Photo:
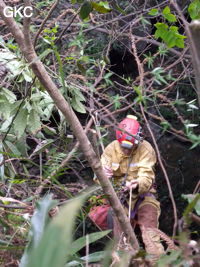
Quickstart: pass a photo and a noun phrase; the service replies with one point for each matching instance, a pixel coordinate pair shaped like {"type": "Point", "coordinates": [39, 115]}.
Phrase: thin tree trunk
{"type": "Point", "coordinates": [193, 33]}
{"type": "Point", "coordinates": [27, 49]}
{"type": "Point", "coordinates": [194, 38]}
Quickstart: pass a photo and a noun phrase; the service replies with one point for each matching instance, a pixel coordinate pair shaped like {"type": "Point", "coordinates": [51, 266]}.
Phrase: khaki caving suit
{"type": "Point", "coordinates": [141, 163]}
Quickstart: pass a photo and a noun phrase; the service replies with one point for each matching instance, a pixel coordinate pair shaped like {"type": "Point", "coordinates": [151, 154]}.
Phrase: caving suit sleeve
{"type": "Point", "coordinates": [106, 157]}
{"type": "Point", "coordinates": [146, 175]}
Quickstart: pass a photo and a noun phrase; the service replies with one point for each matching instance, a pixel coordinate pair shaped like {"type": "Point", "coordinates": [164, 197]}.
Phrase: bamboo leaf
{"type": "Point", "coordinates": [39, 222]}
{"type": "Point", "coordinates": [81, 242]}
{"type": "Point", "coordinates": [55, 244]}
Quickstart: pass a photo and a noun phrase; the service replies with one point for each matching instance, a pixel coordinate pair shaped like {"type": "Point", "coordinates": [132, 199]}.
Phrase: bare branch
{"type": "Point", "coordinates": [44, 21]}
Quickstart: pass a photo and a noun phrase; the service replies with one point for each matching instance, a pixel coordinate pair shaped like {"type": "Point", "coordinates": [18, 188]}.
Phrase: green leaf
{"type": "Point", "coordinates": [170, 17]}
{"type": "Point", "coordinates": [77, 1]}
{"type": "Point", "coordinates": [194, 203]}
{"type": "Point", "coordinates": [86, 8]}
{"type": "Point", "coordinates": [165, 125]}
{"type": "Point", "coordinates": [34, 121]}
{"type": "Point", "coordinates": [39, 222]}
{"type": "Point", "coordinates": [140, 97]}
{"type": "Point", "coordinates": [167, 260]}
{"type": "Point", "coordinates": [180, 43]}
{"type": "Point", "coordinates": [166, 10]}
{"type": "Point", "coordinates": [95, 257]}
{"type": "Point", "coordinates": [1, 160]}
{"type": "Point", "coordinates": [20, 122]}
{"type": "Point", "coordinates": [101, 7]}
{"type": "Point", "coordinates": [5, 108]}
{"type": "Point", "coordinates": [91, 258]}
{"type": "Point", "coordinates": [77, 93]}
{"type": "Point", "coordinates": [81, 67]}
{"type": "Point", "coordinates": [194, 10]}
{"type": "Point", "coordinates": [15, 107]}
{"type": "Point", "coordinates": [116, 101]}
{"type": "Point", "coordinates": [77, 105]}
{"type": "Point", "coordinates": [6, 124]}
{"type": "Point", "coordinates": [13, 149]}
{"type": "Point", "coordinates": [8, 94]}
{"type": "Point", "coordinates": [153, 12]}
{"type": "Point", "coordinates": [169, 35]}
{"type": "Point", "coordinates": [45, 53]}
{"type": "Point", "coordinates": [158, 72]}
{"type": "Point", "coordinates": [21, 145]}
{"type": "Point", "coordinates": [117, 7]}
{"type": "Point", "coordinates": [55, 244]}
{"type": "Point", "coordinates": [161, 30]}
{"type": "Point", "coordinates": [27, 74]}
{"type": "Point", "coordinates": [61, 71]}
{"type": "Point", "coordinates": [40, 218]}
{"type": "Point", "coordinates": [81, 242]}
{"type": "Point", "coordinates": [43, 146]}
{"type": "Point", "coordinates": [49, 130]}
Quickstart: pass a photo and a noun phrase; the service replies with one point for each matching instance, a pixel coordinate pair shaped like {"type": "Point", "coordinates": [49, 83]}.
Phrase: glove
{"type": "Point", "coordinates": [132, 184]}
{"type": "Point", "coordinates": [108, 171]}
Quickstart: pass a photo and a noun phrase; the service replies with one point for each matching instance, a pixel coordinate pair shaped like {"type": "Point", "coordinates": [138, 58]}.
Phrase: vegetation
{"type": "Point", "coordinates": [108, 59]}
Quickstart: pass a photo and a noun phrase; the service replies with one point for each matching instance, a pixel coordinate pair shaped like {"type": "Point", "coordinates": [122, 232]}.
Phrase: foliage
{"type": "Point", "coordinates": [1, 164]}
{"type": "Point", "coordinates": [183, 255]}
{"type": "Point", "coordinates": [169, 34]}
{"type": "Point", "coordinates": [42, 249]}
{"type": "Point", "coordinates": [88, 6]}
{"type": "Point", "coordinates": [194, 9]}
{"type": "Point", "coordinates": [38, 223]}
{"type": "Point", "coordinates": [191, 135]}
{"type": "Point", "coordinates": [194, 203]}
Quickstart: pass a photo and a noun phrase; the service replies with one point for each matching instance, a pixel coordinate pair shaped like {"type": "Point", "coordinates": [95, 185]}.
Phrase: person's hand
{"type": "Point", "coordinates": [133, 184]}
{"type": "Point", "coordinates": [108, 171]}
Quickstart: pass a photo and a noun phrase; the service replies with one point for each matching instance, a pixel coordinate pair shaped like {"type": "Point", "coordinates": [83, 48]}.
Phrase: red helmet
{"type": "Point", "coordinates": [131, 125]}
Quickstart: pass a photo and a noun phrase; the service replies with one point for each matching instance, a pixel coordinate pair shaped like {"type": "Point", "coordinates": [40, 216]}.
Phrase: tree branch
{"type": "Point", "coordinates": [44, 21]}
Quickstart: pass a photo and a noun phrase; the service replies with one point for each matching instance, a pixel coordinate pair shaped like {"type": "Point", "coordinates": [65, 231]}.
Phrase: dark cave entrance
{"type": "Point", "coordinates": [123, 63]}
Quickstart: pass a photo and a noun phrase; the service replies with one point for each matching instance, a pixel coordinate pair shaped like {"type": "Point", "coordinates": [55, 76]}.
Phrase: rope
{"type": "Point", "coordinates": [129, 208]}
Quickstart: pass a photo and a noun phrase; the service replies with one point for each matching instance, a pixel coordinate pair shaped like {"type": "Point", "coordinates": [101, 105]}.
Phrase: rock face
{"type": "Point", "coordinates": [183, 168]}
